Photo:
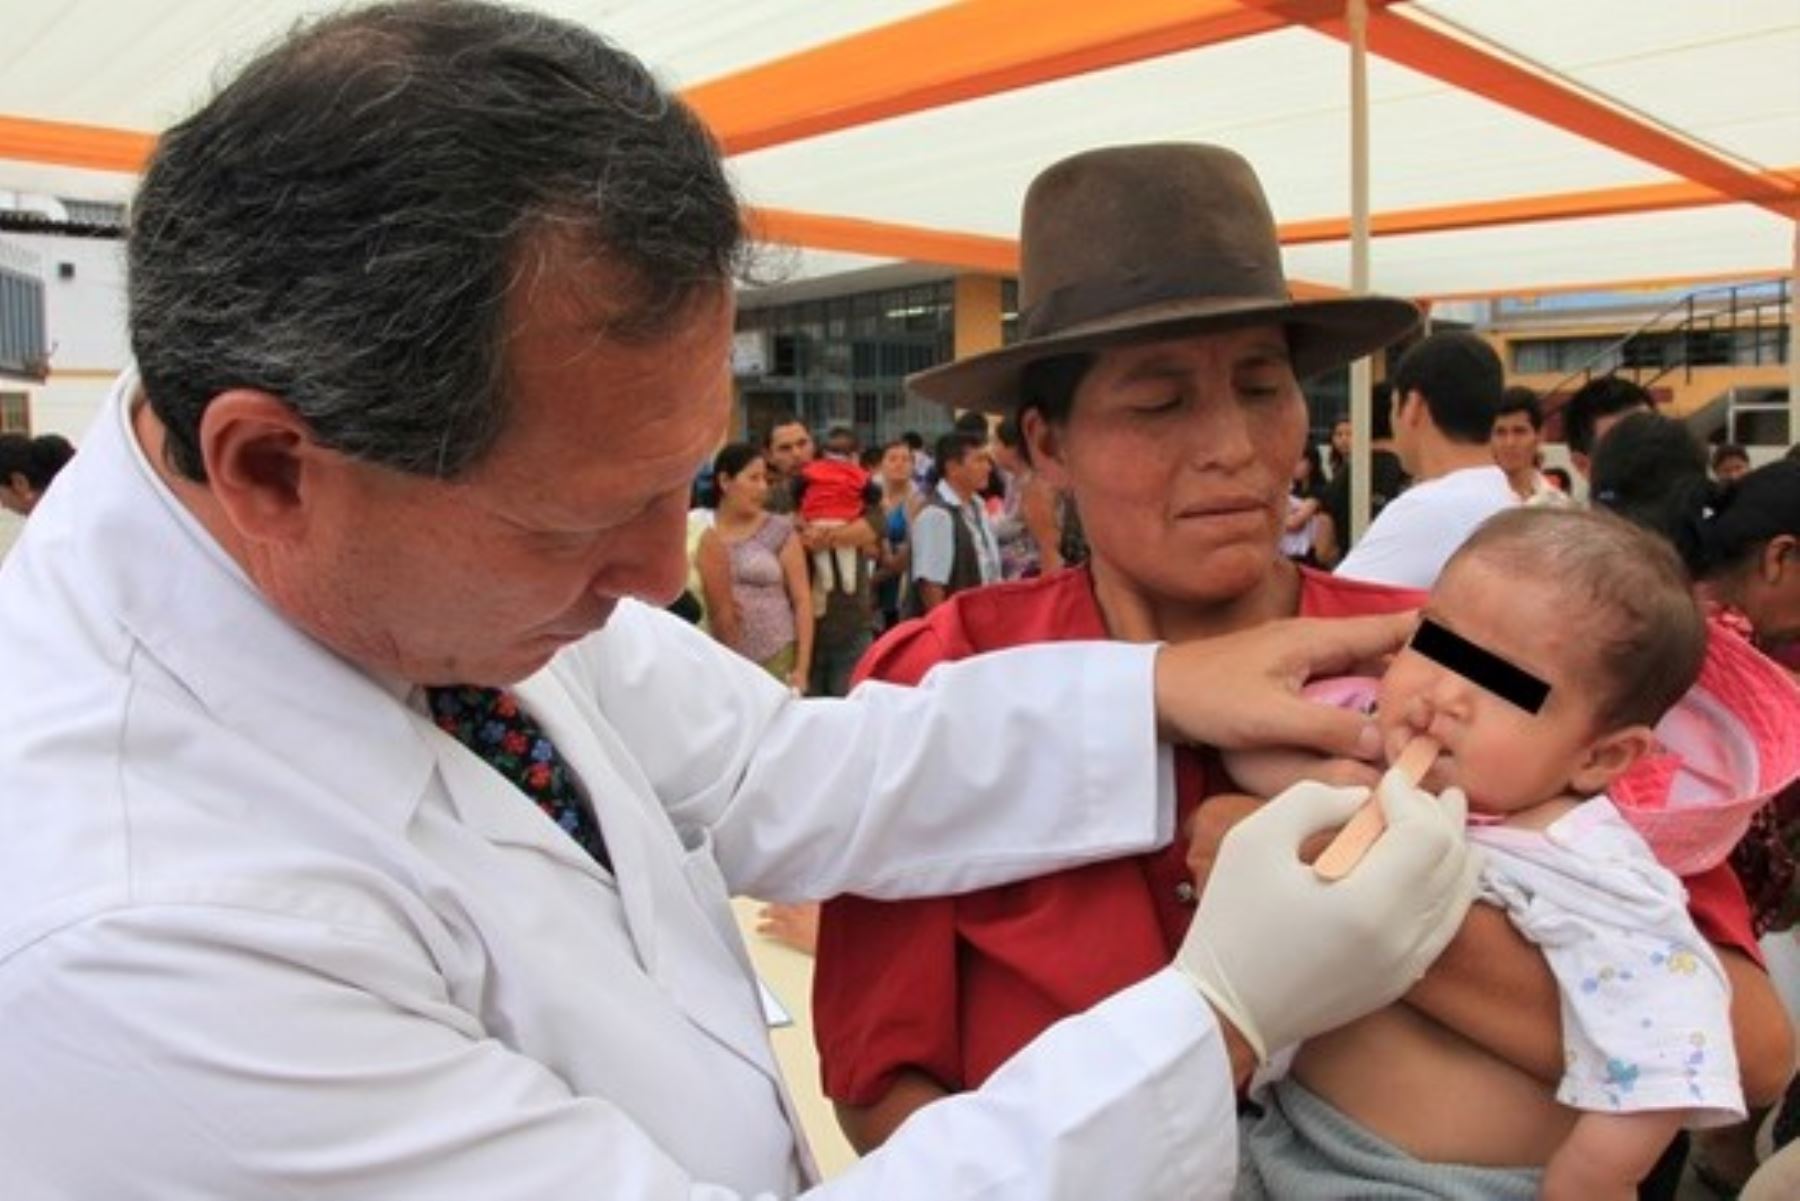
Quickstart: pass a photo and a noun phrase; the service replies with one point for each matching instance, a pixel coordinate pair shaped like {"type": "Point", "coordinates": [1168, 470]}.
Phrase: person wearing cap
{"type": "Point", "coordinates": [370, 828]}
{"type": "Point", "coordinates": [1447, 392]}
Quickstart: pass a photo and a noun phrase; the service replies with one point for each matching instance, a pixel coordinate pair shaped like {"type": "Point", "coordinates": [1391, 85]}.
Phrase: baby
{"type": "Point", "coordinates": [1552, 643]}
{"type": "Point", "coordinates": [833, 492]}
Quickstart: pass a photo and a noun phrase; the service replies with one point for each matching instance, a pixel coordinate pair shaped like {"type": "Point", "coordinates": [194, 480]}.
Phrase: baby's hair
{"type": "Point", "coordinates": [1626, 593]}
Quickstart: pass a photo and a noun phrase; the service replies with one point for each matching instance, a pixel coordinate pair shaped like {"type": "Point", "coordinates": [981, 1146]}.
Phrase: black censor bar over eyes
{"type": "Point", "coordinates": [1478, 666]}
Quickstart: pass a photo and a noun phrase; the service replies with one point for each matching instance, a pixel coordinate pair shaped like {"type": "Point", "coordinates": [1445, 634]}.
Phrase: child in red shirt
{"type": "Point", "coordinates": [833, 492]}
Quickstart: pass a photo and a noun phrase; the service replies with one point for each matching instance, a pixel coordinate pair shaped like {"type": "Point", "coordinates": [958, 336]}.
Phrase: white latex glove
{"type": "Point", "coordinates": [1283, 955]}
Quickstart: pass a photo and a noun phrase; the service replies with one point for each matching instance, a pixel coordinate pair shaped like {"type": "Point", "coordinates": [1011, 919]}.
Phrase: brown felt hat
{"type": "Point", "coordinates": [1142, 243]}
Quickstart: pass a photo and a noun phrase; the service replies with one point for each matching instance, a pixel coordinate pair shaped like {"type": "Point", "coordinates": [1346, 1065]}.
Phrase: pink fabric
{"type": "Point", "coordinates": [1730, 744]}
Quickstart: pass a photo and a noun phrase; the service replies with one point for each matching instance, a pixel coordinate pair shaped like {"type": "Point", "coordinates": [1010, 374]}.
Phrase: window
{"type": "Point", "coordinates": [842, 360]}
{"type": "Point", "coordinates": [94, 212]}
{"type": "Point", "coordinates": [22, 348]}
{"type": "Point", "coordinates": [1009, 311]}
{"type": "Point", "coordinates": [15, 413]}
{"type": "Point", "coordinates": [1564, 356]}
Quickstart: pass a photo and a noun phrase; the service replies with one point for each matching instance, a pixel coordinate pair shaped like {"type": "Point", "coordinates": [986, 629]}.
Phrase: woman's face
{"type": "Point", "coordinates": [1179, 455]}
{"type": "Point", "coordinates": [1340, 439]}
{"type": "Point", "coordinates": [748, 490]}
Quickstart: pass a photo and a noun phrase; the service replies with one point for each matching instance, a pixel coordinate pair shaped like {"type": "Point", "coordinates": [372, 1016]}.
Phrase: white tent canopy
{"type": "Point", "coordinates": [1496, 127]}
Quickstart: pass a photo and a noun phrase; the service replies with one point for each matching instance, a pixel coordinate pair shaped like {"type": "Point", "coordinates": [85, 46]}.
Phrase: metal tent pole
{"type": "Point", "coordinates": [1793, 348]}
{"type": "Point", "coordinates": [1356, 13]}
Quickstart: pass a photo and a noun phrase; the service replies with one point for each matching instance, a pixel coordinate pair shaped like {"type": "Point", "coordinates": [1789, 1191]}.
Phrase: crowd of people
{"type": "Point", "coordinates": [372, 830]}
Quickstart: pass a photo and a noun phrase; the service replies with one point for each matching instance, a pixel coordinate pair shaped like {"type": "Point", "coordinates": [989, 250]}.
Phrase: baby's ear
{"type": "Point", "coordinates": [1609, 755]}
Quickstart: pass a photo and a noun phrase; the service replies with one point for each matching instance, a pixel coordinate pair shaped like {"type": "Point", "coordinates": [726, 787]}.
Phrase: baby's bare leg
{"type": "Point", "coordinates": [1607, 1154]}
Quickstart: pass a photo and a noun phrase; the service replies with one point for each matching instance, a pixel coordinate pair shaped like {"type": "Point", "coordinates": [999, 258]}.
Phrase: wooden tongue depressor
{"type": "Point", "coordinates": [1355, 839]}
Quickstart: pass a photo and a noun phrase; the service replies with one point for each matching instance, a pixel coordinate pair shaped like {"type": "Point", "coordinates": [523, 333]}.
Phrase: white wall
{"type": "Point", "coordinates": [84, 320]}
{"type": "Point", "coordinates": [10, 529]}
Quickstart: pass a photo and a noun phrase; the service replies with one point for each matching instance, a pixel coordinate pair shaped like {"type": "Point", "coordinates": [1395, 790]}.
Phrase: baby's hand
{"type": "Point", "coordinates": [1272, 772]}
{"type": "Point", "coordinates": [1346, 773]}
{"type": "Point", "coordinates": [1207, 828]}
{"type": "Point", "coordinates": [796, 926]}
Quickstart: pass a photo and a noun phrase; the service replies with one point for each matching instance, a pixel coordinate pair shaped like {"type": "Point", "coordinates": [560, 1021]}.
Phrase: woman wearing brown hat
{"type": "Point", "coordinates": [1156, 382]}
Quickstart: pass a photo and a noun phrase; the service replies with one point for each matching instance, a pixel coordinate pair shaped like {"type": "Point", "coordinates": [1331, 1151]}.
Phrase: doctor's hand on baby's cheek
{"type": "Point", "coordinates": [1243, 689]}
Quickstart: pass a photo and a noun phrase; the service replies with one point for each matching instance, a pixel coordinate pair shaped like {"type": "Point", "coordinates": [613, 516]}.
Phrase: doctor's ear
{"type": "Point", "coordinates": [258, 455]}
{"type": "Point", "coordinates": [1607, 758]}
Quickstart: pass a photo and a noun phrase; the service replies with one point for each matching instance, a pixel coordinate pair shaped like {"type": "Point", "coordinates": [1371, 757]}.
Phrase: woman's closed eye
{"type": "Point", "coordinates": [1154, 405]}
{"type": "Point", "coordinates": [1259, 390]}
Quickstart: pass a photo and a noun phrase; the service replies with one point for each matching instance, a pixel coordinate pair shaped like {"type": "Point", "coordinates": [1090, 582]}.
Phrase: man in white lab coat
{"type": "Point", "coordinates": [431, 314]}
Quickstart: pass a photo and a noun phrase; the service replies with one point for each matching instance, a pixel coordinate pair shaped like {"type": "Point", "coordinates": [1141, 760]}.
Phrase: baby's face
{"type": "Point", "coordinates": [1503, 756]}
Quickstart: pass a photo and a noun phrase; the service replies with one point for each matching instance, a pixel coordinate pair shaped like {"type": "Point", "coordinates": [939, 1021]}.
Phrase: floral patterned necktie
{"type": "Point", "coordinates": [489, 722]}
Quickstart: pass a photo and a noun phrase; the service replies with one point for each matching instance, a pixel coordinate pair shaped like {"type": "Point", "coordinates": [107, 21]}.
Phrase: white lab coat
{"type": "Point", "coordinates": [266, 932]}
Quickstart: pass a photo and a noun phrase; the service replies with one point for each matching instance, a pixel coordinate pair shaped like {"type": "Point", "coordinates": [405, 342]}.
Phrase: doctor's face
{"type": "Point", "coordinates": [582, 501]}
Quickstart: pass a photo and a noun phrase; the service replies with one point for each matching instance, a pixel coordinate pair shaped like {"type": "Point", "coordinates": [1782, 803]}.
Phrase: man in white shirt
{"type": "Point", "coordinates": [953, 546]}
{"type": "Point", "coordinates": [1518, 433]}
{"type": "Point", "coordinates": [1447, 390]}
{"type": "Point", "coordinates": [366, 835]}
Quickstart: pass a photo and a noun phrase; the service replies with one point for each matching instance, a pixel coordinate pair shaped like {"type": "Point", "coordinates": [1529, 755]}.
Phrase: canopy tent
{"type": "Point", "coordinates": [1518, 146]}
{"type": "Point", "coordinates": [1524, 146]}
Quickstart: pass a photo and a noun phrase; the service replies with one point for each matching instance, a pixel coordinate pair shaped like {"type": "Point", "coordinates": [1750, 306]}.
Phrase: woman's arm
{"type": "Point", "coordinates": [1493, 987]}
{"type": "Point", "coordinates": [798, 573]}
{"type": "Point", "coordinates": [868, 1126]}
{"type": "Point", "coordinates": [1760, 1029]}
{"type": "Point", "coordinates": [714, 563]}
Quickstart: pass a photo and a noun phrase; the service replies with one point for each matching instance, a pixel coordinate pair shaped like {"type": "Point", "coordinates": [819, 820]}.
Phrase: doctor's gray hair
{"type": "Point", "coordinates": [341, 225]}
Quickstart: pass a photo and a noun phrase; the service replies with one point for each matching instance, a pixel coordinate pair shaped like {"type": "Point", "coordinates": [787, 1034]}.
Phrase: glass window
{"type": "Point", "coordinates": [843, 359]}
{"type": "Point", "coordinates": [1566, 356]}
{"type": "Point", "coordinates": [22, 347]}
{"type": "Point", "coordinates": [1009, 311]}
